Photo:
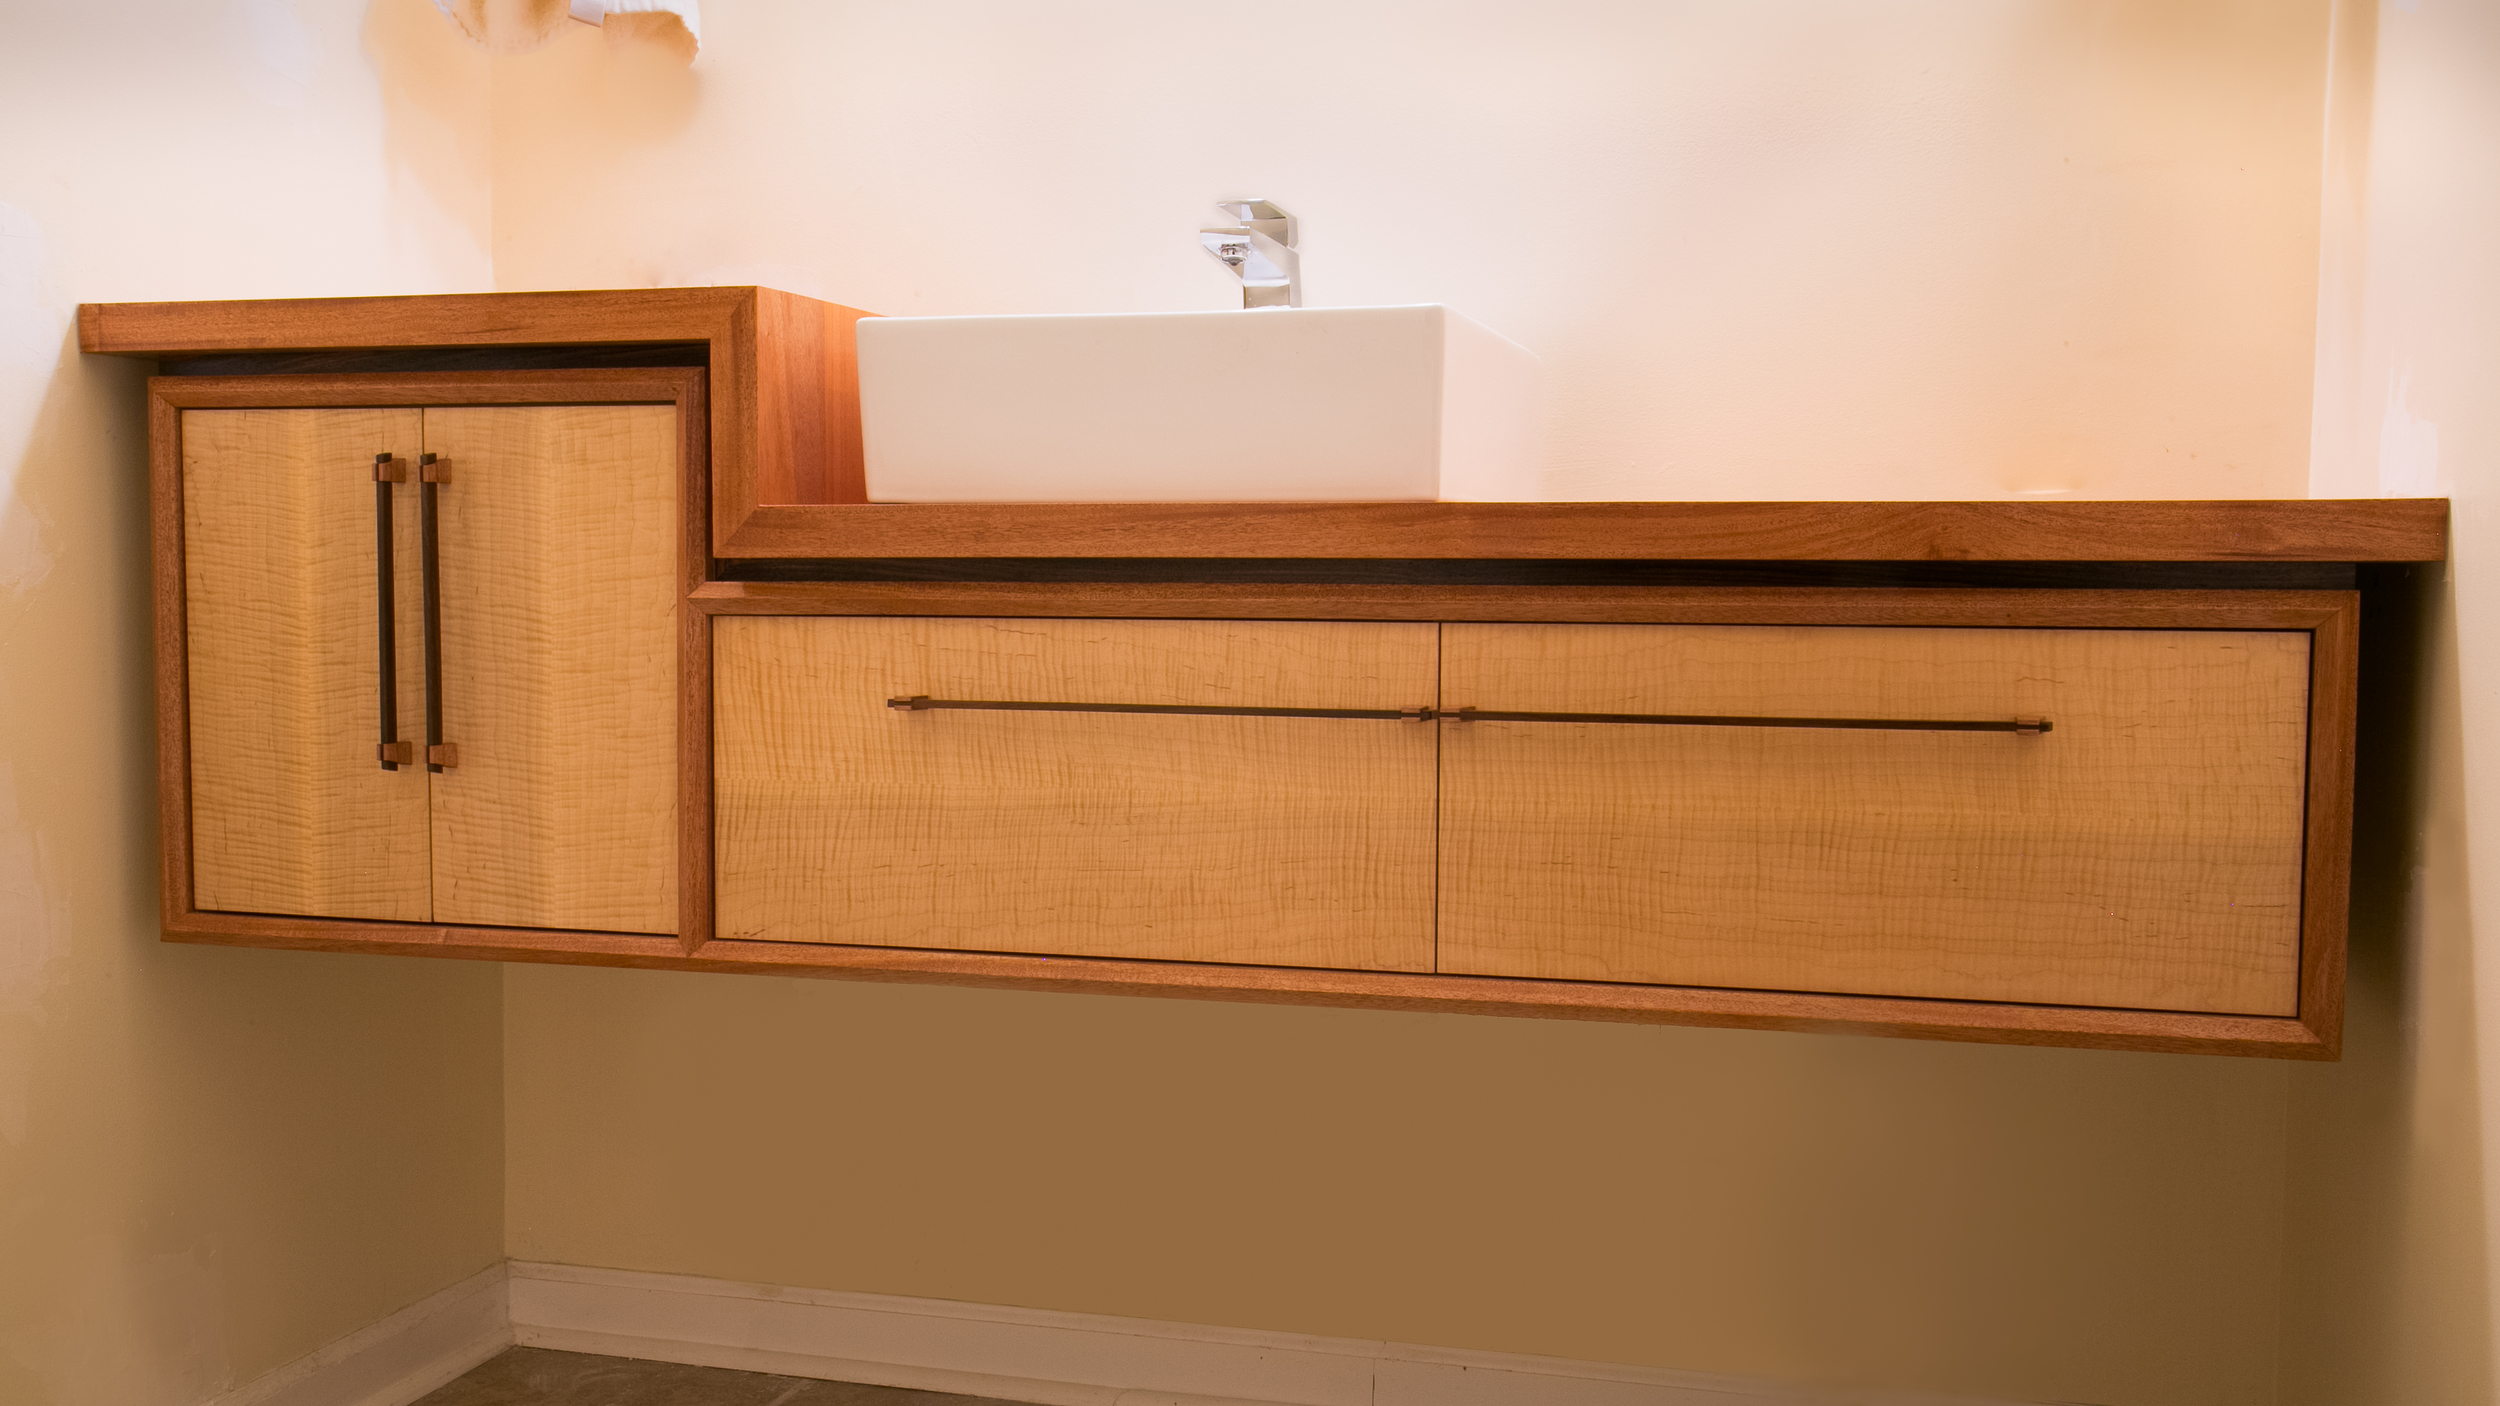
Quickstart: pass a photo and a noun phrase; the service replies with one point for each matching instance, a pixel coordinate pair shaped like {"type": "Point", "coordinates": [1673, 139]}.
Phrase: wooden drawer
{"type": "Point", "coordinates": [2144, 852]}
{"type": "Point", "coordinates": [1304, 841]}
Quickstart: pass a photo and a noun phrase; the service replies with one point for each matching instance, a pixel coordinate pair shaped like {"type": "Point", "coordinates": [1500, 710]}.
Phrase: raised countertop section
{"type": "Point", "coordinates": [786, 470]}
{"type": "Point", "coordinates": [783, 373]}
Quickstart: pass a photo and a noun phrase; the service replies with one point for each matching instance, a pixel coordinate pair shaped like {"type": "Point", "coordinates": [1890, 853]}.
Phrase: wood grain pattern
{"type": "Point", "coordinates": [174, 900]}
{"type": "Point", "coordinates": [1271, 840]}
{"type": "Point", "coordinates": [2395, 529]}
{"type": "Point", "coordinates": [2326, 902]}
{"type": "Point", "coordinates": [290, 810]}
{"type": "Point", "coordinates": [586, 385]}
{"type": "Point", "coordinates": [560, 652]}
{"type": "Point", "coordinates": [808, 360]}
{"type": "Point", "coordinates": [694, 675]}
{"type": "Point", "coordinates": [586, 317]}
{"type": "Point", "coordinates": [2147, 853]}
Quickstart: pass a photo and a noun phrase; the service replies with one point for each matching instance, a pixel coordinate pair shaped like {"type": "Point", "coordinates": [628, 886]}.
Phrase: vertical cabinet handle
{"type": "Point", "coordinates": [393, 752]}
{"type": "Point", "coordinates": [432, 473]}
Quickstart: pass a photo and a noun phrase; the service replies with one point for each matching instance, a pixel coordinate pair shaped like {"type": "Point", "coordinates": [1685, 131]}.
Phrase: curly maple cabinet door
{"type": "Point", "coordinates": [1183, 790]}
{"type": "Point", "coordinates": [2143, 851]}
{"type": "Point", "coordinates": [292, 809]}
{"type": "Point", "coordinates": [556, 804]}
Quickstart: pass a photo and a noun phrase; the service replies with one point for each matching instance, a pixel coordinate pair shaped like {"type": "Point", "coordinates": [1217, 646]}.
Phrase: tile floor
{"type": "Point", "coordinates": [535, 1376]}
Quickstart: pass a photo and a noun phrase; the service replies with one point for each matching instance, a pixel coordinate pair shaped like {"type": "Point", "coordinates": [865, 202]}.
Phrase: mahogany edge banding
{"type": "Point", "coordinates": [2378, 529]}
{"type": "Point", "coordinates": [694, 690]}
{"type": "Point", "coordinates": [2326, 871]}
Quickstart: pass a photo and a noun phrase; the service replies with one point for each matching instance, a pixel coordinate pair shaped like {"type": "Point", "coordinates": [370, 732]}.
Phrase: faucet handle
{"type": "Point", "coordinates": [1264, 216]}
{"type": "Point", "coordinates": [1259, 248]}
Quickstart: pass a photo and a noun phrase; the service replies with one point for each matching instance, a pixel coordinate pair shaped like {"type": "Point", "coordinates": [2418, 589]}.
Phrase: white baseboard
{"type": "Point", "coordinates": [1075, 1359]}
{"type": "Point", "coordinates": [397, 1360]}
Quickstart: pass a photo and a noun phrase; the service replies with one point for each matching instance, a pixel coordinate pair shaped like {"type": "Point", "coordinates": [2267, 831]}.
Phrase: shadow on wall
{"type": "Point", "coordinates": [211, 1161]}
{"type": "Point", "coordinates": [589, 97]}
{"type": "Point", "coordinates": [2387, 1287]}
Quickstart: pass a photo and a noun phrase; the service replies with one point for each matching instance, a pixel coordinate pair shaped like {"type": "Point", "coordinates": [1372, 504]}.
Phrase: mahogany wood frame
{"type": "Point", "coordinates": [169, 396]}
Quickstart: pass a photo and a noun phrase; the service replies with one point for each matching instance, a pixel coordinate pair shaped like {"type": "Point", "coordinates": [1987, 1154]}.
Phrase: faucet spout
{"type": "Point", "coordinates": [1258, 246]}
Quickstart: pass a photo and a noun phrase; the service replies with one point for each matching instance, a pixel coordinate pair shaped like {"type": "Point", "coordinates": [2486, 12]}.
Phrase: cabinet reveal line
{"type": "Point", "coordinates": [2027, 727]}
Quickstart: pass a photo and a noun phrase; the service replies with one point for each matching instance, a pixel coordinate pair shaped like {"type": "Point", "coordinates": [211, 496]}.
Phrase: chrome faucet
{"type": "Point", "coordinates": [1258, 246]}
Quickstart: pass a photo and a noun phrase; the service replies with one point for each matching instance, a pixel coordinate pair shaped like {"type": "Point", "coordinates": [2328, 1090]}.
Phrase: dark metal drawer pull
{"type": "Point", "coordinates": [918, 704]}
{"type": "Point", "coordinates": [393, 753]}
{"type": "Point", "coordinates": [432, 472]}
{"type": "Point", "coordinates": [2026, 727]}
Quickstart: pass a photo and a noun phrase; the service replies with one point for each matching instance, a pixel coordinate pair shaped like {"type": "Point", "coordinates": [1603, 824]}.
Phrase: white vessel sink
{"type": "Point", "coordinates": [1273, 405]}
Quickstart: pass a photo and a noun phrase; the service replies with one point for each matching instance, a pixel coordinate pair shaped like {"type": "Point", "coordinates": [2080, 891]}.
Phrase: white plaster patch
{"type": "Point", "coordinates": [276, 48]}
{"type": "Point", "coordinates": [2408, 449]}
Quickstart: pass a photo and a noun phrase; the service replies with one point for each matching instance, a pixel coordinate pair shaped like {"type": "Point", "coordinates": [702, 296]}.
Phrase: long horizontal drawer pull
{"type": "Point", "coordinates": [2026, 727]}
{"type": "Point", "coordinates": [918, 704]}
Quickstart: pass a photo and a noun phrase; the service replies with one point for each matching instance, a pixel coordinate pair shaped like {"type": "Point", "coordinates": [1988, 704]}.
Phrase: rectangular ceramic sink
{"type": "Point", "coordinates": [1273, 405]}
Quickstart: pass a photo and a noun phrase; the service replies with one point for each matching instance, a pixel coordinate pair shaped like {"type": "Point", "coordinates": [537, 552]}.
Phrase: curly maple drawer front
{"type": "Point", "coordinates": [2144, 852]}
{"type": "Point", "coordinates": [1302, 841]}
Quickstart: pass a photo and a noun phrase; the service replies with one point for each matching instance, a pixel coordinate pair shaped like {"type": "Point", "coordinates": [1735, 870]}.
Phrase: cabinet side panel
{"type": "Point", "coordinates": [2146, 852]}
{"type": "Point", "coordinates": [291, 811]}
{"type": "Point", "coordinates": [1291, 841]}
{"type": "Point", "coordinates": [559, 647]}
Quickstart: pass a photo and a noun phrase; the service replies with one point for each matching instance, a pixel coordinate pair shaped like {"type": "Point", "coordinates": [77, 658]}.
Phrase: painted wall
{"type": "Point", "coordinates": [211, 1162]}
{"type": "Point", "coordinates": [1916, 248]}
{"type": "Point", "coordinates": [1894, 250]}
{"type": "Point", "coordinates": [1909, 249]}
{"type": "Point", "coordinates": [2389, 1296]}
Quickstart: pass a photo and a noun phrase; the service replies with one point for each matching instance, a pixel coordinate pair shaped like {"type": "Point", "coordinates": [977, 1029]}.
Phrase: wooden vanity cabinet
{"type": "Point", "coordinates": [479, 729]}
{"type": "Point", "coordinates": [669, 625]}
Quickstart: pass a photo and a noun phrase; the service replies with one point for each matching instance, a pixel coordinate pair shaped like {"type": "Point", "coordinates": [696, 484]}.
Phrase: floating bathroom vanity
{"type": "Point", "coordinates": [557, 627]}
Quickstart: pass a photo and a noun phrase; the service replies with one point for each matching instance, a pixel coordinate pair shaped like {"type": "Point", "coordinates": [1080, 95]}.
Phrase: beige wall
{"type": "Point", "coordinates": [211, 1162]}
{"type": "Point", "coordinates": [1910, 249]}
{"type": "Point", "coordinates": [2039, 1224]}
{"type": "Point", "coordinates": [2389, 1298]}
